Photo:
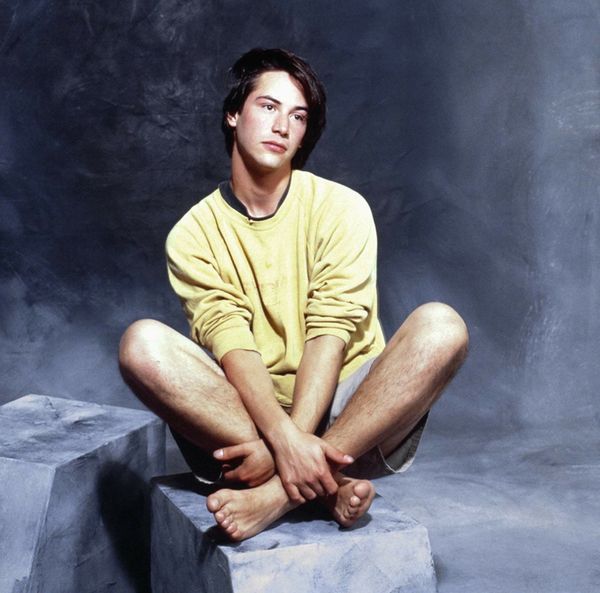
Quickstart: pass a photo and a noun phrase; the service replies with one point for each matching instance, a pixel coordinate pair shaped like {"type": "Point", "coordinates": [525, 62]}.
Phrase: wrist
{"type": "Point", "coordinates": [280, 432]}
{"type": "Point", "coordinates": [304, 421]}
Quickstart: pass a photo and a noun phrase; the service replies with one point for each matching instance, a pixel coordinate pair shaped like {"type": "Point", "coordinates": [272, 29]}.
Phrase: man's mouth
{"type": "Point", "coordinates": [275, 146]}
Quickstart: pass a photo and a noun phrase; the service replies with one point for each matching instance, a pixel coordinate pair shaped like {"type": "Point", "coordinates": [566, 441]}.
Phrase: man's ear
{"type": "Point", "coordinates": [232, 120]}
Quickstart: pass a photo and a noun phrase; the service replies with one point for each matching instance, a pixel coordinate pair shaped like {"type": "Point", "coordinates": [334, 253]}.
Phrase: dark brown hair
{"type": "Point", "coordinates": [246, 71]}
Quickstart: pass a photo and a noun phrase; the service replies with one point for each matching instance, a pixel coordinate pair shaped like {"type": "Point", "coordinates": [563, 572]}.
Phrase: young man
{"type": "Point", "coordinates": [301, 398]}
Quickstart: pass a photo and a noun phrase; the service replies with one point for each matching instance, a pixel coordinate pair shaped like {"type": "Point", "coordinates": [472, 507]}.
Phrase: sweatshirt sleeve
{"type": "Point", "coordinates": [219, 314]}
{"type": "Point", "coordinates": [342, 286]}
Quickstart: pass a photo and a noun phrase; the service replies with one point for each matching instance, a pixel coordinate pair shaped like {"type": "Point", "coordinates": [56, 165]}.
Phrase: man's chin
{"type": "Point", "coordinates": [266, 167]}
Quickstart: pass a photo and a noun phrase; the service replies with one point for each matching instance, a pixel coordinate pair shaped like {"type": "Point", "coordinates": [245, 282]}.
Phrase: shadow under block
{"type": "Point", "coordinates": [305, 552]}
{"type": "Point", "coordinates": [74, 496]}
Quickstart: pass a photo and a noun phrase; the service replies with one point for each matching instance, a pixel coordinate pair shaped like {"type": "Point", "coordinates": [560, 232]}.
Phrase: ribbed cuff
{"type": "Point", "coordinates": [234, 338]}
{"type": "Point", "coordinates": [314, 332]}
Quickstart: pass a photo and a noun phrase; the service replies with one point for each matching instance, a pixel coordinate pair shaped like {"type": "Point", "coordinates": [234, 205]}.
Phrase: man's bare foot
{"type": "Point", "coordinates": [244, 513]}
{"type": "Point", "coordinates": [351, 501]}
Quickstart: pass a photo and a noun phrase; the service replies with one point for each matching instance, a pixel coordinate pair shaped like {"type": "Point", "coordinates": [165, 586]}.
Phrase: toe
{"type": "Point", "coordinates": [225, 522]}
{"type": "Point", "coordinates": [213, 503]}
{"type": "Point", "coordinates": [231, 528]}
{"type": "Point", "coordinates": [234, 533]}
{"type": "Point", "coordinates": [362, 489]}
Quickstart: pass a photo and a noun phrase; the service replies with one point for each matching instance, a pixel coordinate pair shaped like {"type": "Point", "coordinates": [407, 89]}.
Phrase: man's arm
{"type": "Point", "coordinates": [316, 380]}
{"type": "Point", "coordinates": [301, 458]}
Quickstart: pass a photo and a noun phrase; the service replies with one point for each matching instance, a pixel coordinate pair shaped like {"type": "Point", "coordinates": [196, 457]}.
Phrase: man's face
{"type": "Point", "coordinates": [271, 125]}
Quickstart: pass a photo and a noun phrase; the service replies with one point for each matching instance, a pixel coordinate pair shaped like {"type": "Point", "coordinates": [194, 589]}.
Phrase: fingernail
{"type": "Point", "coordinates": [349, 458]}
{"type": "Point", "coordinates": [219, 453]}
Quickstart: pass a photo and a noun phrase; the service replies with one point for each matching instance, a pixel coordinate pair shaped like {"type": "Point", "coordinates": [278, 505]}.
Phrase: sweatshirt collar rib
{"type": "Point", "coordinates": [236, 204]}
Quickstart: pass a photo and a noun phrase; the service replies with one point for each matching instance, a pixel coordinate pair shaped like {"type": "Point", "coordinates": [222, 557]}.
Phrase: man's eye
{"type": "Point", "coordinates": [269, 107]}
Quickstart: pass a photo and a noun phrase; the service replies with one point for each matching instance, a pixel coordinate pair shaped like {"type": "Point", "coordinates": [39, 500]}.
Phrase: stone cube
{"type": "Point", "coordinates": [304, 552]}
{"type": "Point", "coordinates": [74, 501]}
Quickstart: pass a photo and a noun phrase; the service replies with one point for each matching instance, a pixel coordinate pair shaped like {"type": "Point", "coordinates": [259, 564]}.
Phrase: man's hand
{"type": "Point", "coordinates": [304, 463]}
{"type": "Point", "coordinates": [254, 462]}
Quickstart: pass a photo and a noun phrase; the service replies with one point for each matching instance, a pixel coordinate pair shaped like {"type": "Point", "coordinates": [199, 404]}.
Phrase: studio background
{"type": "Point", "coordinates": [471, 128]}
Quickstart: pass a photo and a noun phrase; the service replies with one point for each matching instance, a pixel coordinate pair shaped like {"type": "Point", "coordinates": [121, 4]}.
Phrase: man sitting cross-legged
{"type": "Point", "coordinates": [300, 397]}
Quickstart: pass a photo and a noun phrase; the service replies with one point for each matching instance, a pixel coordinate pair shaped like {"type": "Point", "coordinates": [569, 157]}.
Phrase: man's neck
{"type": "Point", "coordinates": [259, 192]}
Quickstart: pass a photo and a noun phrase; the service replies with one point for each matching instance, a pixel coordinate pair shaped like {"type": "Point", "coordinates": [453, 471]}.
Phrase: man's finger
{"type": "Point", "coordinates": [293, 493]}
{"type": "Point", "coordinates": [330, 485]}
{"type": "Point", "coordinates": [318, 488]}
{"type": "Point", "coordinates": [337, 456]}
{"type": "Point", "coordinates": [233, 475]}
{"type": "Point", "coordinates": [308, 492]}
{"type": "Point", "coordinates": [233, 452]}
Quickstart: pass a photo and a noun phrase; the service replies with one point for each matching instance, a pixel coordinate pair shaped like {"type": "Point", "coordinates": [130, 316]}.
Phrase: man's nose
{"type": "Point", "coordinates": [281, 124]}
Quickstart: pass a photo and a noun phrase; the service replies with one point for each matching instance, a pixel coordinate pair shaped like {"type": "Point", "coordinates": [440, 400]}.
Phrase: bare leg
{"type": "Point", "coordinates": [179, 382]}
{"type": "Point", "coordinates": [405, 381]}
{"type": "Point", "coordinates": [401, 387]}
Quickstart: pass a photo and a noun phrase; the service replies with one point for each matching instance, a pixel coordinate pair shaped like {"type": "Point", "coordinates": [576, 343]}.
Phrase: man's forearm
{"type": "Point", "coordinates": [316, 380]}
{"type": "Point", "coordinates": [246, 371]}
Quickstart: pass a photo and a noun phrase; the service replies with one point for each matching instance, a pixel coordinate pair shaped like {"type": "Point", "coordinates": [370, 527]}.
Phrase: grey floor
{"type": "Point", "coordinates": [509, 513]}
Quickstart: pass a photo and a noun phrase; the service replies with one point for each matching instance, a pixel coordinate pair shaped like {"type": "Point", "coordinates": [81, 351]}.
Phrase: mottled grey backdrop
{"type": "Point", "coordinates": [471, 126]}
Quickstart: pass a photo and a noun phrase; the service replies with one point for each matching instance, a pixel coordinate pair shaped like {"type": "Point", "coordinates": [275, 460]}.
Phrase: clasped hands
{"type": "Point", "coordinates": [303, 461]}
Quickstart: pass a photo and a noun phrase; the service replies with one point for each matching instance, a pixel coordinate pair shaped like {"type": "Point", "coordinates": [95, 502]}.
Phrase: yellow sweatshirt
{"type": "Point", "coordinates": [270, 285]}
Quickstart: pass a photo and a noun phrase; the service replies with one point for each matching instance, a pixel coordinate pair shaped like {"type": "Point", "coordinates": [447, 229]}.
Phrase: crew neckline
{"type": "Point", "coordinates": [233, 201]}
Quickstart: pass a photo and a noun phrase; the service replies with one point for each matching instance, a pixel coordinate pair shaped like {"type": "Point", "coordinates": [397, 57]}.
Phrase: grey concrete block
{"type": "Point", "coordinates": [74, 496]}
{"type": "Point", "coordinates": [305, 552]}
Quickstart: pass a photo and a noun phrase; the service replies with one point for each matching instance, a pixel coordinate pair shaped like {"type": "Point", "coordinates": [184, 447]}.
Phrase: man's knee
{"type": "Point", "coordinates": [440, 329]}
{"type": "Point", "coordinates": [140, 346]}
{"type": "Point", "coordinates": [445, 329]}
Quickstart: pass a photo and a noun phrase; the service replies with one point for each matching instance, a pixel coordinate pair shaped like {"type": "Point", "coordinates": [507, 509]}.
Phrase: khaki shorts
{"type": "Point", "coordinates": [371, 465]}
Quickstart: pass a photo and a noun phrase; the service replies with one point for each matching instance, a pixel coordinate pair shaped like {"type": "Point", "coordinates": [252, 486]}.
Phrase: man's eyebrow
{"type": "Point", "coordinates": [278, 102]}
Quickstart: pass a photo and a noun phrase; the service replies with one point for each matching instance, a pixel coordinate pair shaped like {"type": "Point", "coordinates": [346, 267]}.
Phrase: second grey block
{"type": "Point", "coordinates": [304, 552]}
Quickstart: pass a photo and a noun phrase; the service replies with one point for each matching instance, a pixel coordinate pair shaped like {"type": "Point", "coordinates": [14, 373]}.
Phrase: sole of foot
{"type": "Point", "coordinates": [351, 501]}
